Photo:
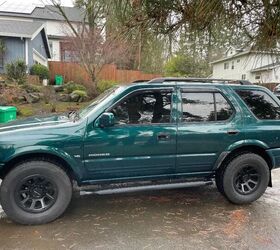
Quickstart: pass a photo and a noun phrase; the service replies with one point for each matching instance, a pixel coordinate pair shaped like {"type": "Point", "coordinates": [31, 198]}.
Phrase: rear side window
{"type": "Point", "coordinates": [261, 104]}
{"type": "Point", "coordinates": [205, 107]}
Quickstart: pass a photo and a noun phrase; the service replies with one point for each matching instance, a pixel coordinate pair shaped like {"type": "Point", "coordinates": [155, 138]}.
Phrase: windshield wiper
{"type": "Point", "coordinates": [73, 115]}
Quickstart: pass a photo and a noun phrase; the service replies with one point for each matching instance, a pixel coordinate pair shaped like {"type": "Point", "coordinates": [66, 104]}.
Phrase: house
{"type": "Point", "coordinates": [248, 64]}
{"type": "Point", "coordinates": [23, 40]}
{"type": "Point", "coordinates": [55, 25]}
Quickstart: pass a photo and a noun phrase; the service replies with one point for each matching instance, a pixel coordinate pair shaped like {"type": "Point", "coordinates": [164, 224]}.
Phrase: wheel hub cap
{"type": "Point", "coordinates": [247, 180]}
{"type": "Point", "coordinates": [36, 194]}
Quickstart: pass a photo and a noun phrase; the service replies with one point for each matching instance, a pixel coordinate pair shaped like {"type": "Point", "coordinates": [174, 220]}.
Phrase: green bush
{"type": "Point", "coordinates": [40, 70]}
{"type": "Point", "coordinates": [16, 71]}
{"type": "Point", "coordinates": [80, 93]}
{"type": "Point", "coordinates": [25, 111]}
{"type": "Point", "coordinates": [31, 88]}
{"type": "Point", "coordinates": [103, 85]}
{"type": "Point", "coordinates": [72, 86]}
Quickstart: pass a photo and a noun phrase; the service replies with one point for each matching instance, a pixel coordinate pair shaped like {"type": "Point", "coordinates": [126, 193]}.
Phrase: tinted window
{"type": "Point", "coordinates": [144, 108]}
{"type": "Point", "coordinates": [203, 107]}
{"type": "Point", "coordinates": [260, 103]}
{"type": "Point", "coordinates": [223, 109]}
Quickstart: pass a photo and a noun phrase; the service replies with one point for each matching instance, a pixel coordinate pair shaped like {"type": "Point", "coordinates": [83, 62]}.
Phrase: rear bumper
{"type": "Point", "coordinates": [274, 156]}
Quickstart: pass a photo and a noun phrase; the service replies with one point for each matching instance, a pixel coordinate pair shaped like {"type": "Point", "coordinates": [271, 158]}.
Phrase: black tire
{"type": "Point", "coordinates": [245, 178]}
{"type": "Point", "coordinates": [37, 182]}
{"type": "Point", "coordinates": [219, 181]}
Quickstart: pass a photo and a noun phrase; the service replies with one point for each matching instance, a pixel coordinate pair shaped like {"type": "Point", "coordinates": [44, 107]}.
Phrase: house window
{"type": "Point", "coordinates": [232, 65]}
{"type": "Point", "coordinates": [243, 77]}
{"type": "Point", "coordinates": [258, 77]}
{"type": "Point", "coordinates": [226, 65]}
{"type": "Point", "coordinates": [238, 60]}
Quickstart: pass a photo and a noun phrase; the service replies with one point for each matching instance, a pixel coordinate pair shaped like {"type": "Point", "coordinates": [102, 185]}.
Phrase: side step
{"type": "Point", "coordinates": [147, 188]}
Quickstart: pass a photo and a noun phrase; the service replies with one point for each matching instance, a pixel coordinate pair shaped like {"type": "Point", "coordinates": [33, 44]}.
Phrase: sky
{"type": "Point", "coordinates": [63, 2]}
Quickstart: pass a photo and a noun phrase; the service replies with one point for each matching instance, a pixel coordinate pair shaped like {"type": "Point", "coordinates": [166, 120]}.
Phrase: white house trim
{"type": "Point", "coordinates": [26, 50]}
{"type": "Point", "coordinates": [38, 31]}
{"type": "Point", "coordinates": [245, 53]}
{"type": "Point", "coordinates": [14, 35]}
{"type": "Point", "coordinates": [267, 67]}
{"type": "Point", "coordinates": [40, 58]}
{"type": "Point", "coordinates": [254, 66]}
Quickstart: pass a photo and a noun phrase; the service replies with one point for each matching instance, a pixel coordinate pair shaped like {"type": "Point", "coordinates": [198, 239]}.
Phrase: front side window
{"type": "Point", "coordinates": [205, 107]}
{"type": "Point", "coordinates": [144, 108]}
{"type": "Point", "coordinates": [261, 104]}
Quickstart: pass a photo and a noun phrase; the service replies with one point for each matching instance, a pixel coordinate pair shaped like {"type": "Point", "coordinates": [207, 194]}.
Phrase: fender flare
{"type": "Point", "coordinates": [74, 164]}
{"type": "Point", "coordinates": [237, 145]}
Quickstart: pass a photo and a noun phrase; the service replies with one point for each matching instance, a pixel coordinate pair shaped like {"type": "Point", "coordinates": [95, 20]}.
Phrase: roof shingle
{"type": "Point", "coordinates": [49, 12]}
{"type": "Point", "coordinates": [19, 28]}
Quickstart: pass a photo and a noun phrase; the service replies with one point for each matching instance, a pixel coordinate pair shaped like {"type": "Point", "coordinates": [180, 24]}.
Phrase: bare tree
{"type": "Point", "coordinates": [88, 42]}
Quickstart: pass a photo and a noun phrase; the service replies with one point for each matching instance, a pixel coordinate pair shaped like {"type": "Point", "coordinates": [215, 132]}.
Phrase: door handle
{"type": "Point", "coordinates": [163, 136]}
{"type": "Point", "coordinates": [232, 132]}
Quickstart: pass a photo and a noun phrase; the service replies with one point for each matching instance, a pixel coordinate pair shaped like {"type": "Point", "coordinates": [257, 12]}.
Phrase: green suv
{"type": "Point", "coordinates": [165, 133]}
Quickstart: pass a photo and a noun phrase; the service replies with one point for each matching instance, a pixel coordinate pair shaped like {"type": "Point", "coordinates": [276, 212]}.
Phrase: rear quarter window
{"type": "Point", "coordinates": [261, 104]}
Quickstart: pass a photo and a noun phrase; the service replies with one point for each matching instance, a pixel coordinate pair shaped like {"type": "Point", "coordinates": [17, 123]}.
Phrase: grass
{"type": "Point", "coordinates": [25, 110]}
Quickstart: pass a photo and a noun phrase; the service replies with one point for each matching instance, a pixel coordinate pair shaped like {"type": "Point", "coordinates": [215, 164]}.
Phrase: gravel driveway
{"type": "Point", "coordinates": [193, 218]}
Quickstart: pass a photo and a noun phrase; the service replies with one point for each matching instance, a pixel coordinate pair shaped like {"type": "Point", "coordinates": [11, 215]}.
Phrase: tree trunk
{"type": "Point", "coordinates": [139, 50]}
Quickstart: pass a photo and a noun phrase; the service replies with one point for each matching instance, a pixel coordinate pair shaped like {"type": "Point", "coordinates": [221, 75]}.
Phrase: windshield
{"type": "Point", "coordinates": [110, 92]}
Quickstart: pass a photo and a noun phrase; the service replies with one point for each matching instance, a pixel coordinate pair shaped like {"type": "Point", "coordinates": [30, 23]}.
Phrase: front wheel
{"type": "Point", "coordinates": [245, 178]}
{"type": "Point", "coordinates": [35, 192]}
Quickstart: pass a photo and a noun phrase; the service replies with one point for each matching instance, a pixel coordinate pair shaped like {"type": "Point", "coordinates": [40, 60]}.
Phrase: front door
{"type": "Point", "coordinates": [209, 124]}
{"type": "Point", "coordinates": [141, 144]}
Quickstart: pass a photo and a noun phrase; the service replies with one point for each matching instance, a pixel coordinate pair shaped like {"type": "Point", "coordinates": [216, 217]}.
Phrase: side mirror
{"type": "Point", "coordinates": [106, 120]}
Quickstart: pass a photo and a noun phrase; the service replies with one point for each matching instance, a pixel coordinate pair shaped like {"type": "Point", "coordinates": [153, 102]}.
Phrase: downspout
{"type": "Point", "coordinates": [26, 52]}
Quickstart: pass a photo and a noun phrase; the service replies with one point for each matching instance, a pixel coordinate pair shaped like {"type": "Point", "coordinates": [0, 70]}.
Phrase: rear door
{"type": "Point", "coordinates": [209, 123]}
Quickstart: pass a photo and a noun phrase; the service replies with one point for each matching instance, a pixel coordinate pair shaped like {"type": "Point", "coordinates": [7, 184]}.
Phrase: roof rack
{"type": "Point", "coordinates": [139, 81]}
{"type": "Point", "coordinates": [204, 80]}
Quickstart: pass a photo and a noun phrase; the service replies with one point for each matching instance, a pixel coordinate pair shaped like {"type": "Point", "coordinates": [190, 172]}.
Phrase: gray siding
{"type": "Point", "coordinates": [14, 50]}
{"type": "Point", "coordinates": [37, 44]}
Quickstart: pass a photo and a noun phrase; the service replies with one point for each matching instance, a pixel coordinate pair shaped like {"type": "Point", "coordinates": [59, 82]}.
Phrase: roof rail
{"type": "Point", "coordinates": [139, 81]}
{"type": "Point", "coordinates": [204, 80]}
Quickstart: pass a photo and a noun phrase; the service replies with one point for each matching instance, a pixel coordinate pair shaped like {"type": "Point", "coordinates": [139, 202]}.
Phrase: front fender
{"type": "Point", "coordinates": [75, 164]}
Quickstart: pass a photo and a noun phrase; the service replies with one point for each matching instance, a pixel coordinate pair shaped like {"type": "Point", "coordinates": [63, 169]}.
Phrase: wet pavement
{"type": "Point", "coordinates": [192, 218]}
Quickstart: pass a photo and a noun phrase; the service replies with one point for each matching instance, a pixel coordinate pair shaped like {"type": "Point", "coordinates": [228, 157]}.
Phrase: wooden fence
{"type": "Point", "coordinates": [74, 72]}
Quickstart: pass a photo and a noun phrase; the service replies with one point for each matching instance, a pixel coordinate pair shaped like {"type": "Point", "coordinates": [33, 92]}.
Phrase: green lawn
{"type": "Point", "coordinates": [25, 110]}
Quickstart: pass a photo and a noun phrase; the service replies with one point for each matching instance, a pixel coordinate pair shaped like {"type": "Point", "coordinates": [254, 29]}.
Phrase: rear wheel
{"type": "Point", "coordinates": [35, 192]}
{"type": "Point", "coordinates": [245, 178]}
